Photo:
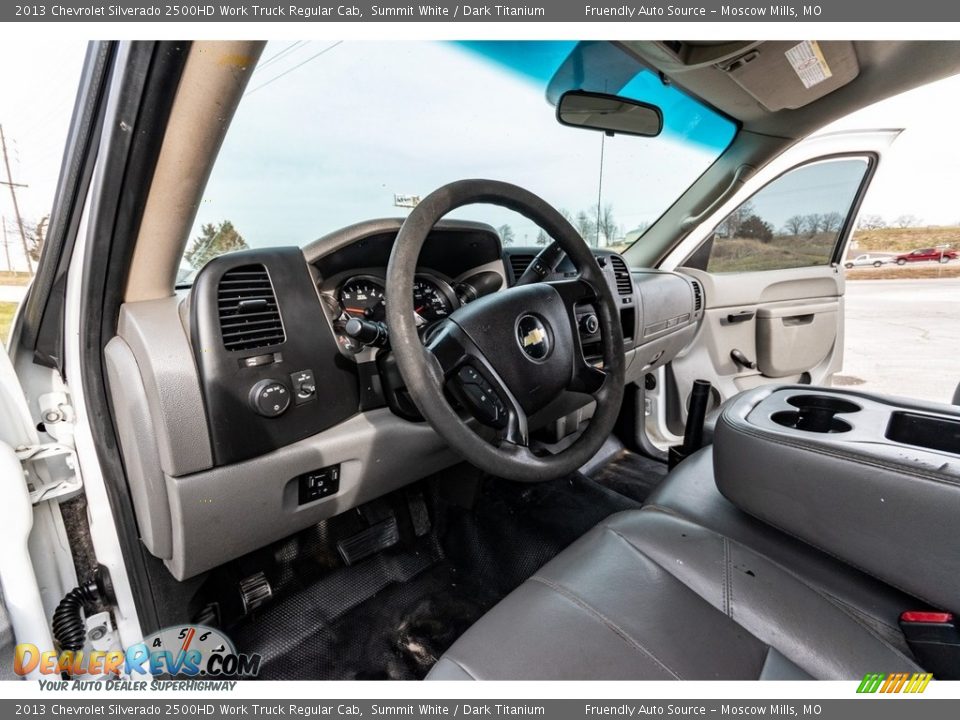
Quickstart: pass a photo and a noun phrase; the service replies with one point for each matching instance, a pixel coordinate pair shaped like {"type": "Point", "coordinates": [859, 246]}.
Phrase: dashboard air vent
{"type": "Point", "coordinates": [622, 275]}
{"type": "Point", "coordinates": [697, 296]}
{"type": "Point", "coordinates": [519, 263]}
{"type": "Point", "coordinates": [247, 307]}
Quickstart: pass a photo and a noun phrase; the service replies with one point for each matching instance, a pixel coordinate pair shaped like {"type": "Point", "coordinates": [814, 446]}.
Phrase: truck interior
{"type": "Point", "coordinates": [401, 447]}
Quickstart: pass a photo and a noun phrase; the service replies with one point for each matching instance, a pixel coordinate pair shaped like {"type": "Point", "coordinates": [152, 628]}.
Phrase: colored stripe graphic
{"type": "Point", "coordinates": [891, 683]}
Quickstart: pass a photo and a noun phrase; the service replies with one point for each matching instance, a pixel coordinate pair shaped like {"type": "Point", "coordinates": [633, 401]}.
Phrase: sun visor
{"type": "Point", "coordinates": [791, 74]}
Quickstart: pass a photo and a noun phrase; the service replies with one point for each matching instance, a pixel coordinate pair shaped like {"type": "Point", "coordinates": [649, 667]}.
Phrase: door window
{"type": "Point", "coordinates": [794, 221]}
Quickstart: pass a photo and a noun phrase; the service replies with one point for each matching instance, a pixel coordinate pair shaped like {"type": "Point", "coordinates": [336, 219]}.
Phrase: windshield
{"type": "Point", "coordinates": [329, 134]}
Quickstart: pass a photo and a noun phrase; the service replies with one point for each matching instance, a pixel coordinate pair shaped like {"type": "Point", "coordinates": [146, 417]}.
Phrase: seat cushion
{"type": "Point", "coordinates": [690, 492]}
{"type": "Point", "coordinates": [647, 594]}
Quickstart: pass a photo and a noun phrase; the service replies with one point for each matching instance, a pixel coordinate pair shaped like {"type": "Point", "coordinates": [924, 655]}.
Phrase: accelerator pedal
{"type": "Point", "coordinates": [365, 543]}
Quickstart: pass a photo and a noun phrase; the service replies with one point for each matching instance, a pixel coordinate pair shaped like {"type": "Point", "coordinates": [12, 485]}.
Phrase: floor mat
{"type": "Point", "coordinates": [630, 474]}
{"type": "Point", "coordinates": [393, 615]}
{"type": "Point", "coordinates": [397, 632]}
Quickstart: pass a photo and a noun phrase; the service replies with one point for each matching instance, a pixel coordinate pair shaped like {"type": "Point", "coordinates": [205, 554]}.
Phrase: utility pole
{"type": "Point", "coordinates": [6, 244]}
{"type": "Point", "coordinates": [13, 194]}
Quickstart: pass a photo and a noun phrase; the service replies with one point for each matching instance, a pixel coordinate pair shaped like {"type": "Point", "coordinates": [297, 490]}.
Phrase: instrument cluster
{"type": "Point", "coordinates": [363, 298]}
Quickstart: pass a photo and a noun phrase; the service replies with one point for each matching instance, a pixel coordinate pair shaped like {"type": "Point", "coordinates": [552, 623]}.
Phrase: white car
{"type": "Point", "coordinates": [864, 260]}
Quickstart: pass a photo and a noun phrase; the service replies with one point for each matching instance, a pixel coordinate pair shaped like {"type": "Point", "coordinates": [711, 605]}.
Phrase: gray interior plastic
{"type": "Point", "coordinates": [154, 332]}
{"type": "Point", "coordinates": [228, 511]}
{"type": "Point", "coordinates": [795, 337]}
{"type": "Point", "coordinates": [667, 320]}
{"type": "Point", "coordinates": [883, 505]}
{"type": "Point", "coordinates": [138, 443]}
{"type": "Point", "coordinates": [195, 516]}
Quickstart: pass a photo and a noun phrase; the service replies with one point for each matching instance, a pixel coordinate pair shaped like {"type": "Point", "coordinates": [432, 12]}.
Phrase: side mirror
{"type": "Point", "coordinates": [609, 113]}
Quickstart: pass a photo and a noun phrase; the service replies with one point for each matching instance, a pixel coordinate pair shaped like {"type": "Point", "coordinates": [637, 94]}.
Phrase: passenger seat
{"type": "Point", "coordinates": [688, 587]}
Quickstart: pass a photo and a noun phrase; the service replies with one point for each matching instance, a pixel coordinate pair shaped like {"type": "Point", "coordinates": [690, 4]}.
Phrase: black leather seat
{"type": "Point", "coordinates": [688, 587]}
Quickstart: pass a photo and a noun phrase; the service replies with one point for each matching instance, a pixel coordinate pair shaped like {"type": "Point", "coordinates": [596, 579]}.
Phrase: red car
{"type": "Point", "coordinates": [927, 255]}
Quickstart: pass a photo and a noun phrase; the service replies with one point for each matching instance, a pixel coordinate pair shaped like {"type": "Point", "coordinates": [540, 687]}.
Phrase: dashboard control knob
{"type": "Point", "coordinates": [269, 398]}
{"type": "Point", "coordinates": [589, 324]}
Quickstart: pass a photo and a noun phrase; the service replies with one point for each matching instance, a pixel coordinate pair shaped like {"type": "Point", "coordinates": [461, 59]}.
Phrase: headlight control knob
{"type": "Point", "coordinates": [269, 398]}
{"type": "Point", "coordinates": [589, 324]}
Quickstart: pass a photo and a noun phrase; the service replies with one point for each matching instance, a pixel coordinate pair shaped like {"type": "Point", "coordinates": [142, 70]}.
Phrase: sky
{"type": "Point", "coordinates": [37, 90]}
{"type": "Point", "coordinates": [309, 152]}
{"type": "Point", "coordinates": [319, 144]}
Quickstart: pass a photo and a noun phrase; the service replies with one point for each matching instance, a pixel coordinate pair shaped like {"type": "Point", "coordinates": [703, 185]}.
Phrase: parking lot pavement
{"type": "Point", "coordinates": [902, 338]}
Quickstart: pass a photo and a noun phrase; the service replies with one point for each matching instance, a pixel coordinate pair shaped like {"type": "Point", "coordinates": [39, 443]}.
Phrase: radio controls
{"type": "Point", "coordinates": [270, 398]}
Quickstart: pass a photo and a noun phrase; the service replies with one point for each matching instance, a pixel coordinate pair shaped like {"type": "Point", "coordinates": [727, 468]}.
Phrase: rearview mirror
{"type": "Point", "coordinates": [609, 113]}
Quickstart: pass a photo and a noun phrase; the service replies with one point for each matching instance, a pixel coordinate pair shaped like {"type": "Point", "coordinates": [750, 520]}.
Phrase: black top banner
{"type": "Point", "coordinates": [555, 11]}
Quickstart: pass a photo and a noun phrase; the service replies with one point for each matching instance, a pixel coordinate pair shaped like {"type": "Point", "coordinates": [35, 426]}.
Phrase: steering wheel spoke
{"type": "Point", "coordinates": [575, 292]}
{"type": "Point", "coordinates": [587, 378]}
{"type": "Point", "coordinates": [470, 378]}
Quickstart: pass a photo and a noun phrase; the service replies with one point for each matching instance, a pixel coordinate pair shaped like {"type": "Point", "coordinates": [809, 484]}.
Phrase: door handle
{"type": "Point", "coordinates": [742, 360]}
{"type": "Point", "coordinates": [740, 316]}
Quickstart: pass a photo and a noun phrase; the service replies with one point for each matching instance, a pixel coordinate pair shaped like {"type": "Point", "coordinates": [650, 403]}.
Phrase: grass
{"type": "Point", "coordinates": [783, 251]}
{"type": "Point", "coordinates": [7, 310]}
{"type": "Point", "coordinates": [790, 251]}
{"type": "Point", "coordinates": [898, 240]}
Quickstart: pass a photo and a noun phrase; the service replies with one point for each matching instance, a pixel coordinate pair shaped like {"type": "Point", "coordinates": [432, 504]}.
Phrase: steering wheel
{"type": "Point", "coordinates": [507, 355]}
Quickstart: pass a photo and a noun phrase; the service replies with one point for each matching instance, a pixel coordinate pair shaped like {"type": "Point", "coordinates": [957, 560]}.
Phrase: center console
{"type": "Point", "coordinates": [874, 481]}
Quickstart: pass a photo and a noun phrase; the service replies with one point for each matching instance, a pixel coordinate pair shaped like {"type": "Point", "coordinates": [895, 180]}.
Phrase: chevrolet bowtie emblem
{"type": "Point", "coordinates": [534, 337]}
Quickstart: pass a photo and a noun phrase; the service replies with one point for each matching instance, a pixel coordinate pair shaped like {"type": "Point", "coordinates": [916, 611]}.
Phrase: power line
{"type": "Point", "coordinates": [13, 194]}
{"type": "Point", "coordinates": [290, 70]}
{"type": "Point", "coordinates": [276, 56]}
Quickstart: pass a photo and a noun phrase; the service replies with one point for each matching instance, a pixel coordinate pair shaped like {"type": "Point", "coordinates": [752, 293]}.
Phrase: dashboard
{"type": "Point", "coordinates": [267, 398]}
{"type": "Point", "coordinates": [460, 261]}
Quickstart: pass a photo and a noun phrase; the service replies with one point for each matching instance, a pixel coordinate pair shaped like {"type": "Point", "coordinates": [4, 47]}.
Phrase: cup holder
{"type": "Point", "coordinates": [816, 413]}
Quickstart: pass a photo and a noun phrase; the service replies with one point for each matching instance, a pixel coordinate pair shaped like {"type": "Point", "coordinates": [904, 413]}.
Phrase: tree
{"type": "Point", "coordinates": [831, 222]}
{"type": "Point", "coordinates": [507, 236]}
{"type": "Point", "coordinates": [608, 225]}
{"type": "Point", "coordinates": [542, 237]}
{"type": "Point", "coordinates": [907, 221]}
{"type": "Point", "coordinates": [754, 227]}
{"type": "Point", "coordinates": [214, 240]}
{"type": "Point", "coordinates": [586, 227]}
{"type": "Point", "coordinates": [814, 223]}
{"type": "Point", "coordinates": [730, 226]}
{"type": "Point", "coordinates": [871, 222]}
{"type": "Point", "coordinates": [794, 225]}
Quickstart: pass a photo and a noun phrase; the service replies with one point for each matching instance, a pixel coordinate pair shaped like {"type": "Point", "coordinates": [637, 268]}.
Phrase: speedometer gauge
{"type": "Point", "coordinates": [363, 297]}
{"type": "Point", "coordinates": [429, 301]}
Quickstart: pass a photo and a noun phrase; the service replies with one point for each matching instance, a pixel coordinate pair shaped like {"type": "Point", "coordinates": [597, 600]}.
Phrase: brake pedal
{"type": "Point", "coordinates": [255, 590]}
{"type": "Point", "coordinates": [368, 542]}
